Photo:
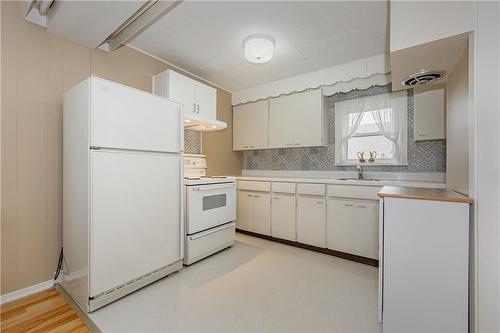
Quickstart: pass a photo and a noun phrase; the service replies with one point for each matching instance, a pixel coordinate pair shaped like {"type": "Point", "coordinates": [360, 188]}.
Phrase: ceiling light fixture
{"type": "Point", "coordinates": [259, 49]}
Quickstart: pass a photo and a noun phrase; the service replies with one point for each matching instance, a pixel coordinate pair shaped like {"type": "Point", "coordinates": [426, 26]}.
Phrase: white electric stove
{"type": "Point", "coordinates": [210, 210]}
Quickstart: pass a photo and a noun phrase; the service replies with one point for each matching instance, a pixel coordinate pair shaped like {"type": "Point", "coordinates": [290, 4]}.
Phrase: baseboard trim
{"type": "Point", "coordinates": [12, 296]}
{"type": "Point", "coordinates": [343, 255]}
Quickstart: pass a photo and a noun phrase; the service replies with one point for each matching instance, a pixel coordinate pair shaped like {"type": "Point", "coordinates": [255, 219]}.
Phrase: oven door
{"type": "Point", "coordinates": [209, 205]}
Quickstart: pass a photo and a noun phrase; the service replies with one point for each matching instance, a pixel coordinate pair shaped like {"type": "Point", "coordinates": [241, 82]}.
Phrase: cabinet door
{"type": "Point", "coordinates": [341, 230]}
{"type": "Point", "coordinates": [296, 120]}
{"type": "Point", "coordinates": [366, 224]}
{"type": "Point", "coordinates": [244, 216]}
{"type": "Point", "coordinates": [352, 227]}
{"type": "Point", "coordinates": [283, 216]}
{"type": "Point", "coordinates": [311, 221]}
{"type": "Point", "coordinates": [429, 115]}
{"type": "Point", "coordinates": [262, 213]}
{"type": "Point", "coordinates": [250, 126]}
{"type": "Point", "coordinates": [206, 101]}
{"type": "Point", "coordinates": [181, 89]}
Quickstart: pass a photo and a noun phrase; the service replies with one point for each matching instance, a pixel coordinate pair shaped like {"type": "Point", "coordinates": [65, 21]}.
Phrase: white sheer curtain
{"type": "Point", "coordinates": [392, 122]}
{"type": "Point", "coordinates": [348, 116]}
{"type": "Point", "coordinates": [390, 113]}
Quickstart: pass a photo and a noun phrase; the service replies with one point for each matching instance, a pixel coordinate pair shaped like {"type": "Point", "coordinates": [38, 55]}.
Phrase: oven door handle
{"type": "Point", "coordinates": [205, 188]}
{"type": "Point", "coordinates": [211, 231]}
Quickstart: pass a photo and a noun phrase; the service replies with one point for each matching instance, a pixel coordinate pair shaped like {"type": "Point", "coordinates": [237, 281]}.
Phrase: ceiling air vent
{"type": "Point", "coordinates": [422, 77]}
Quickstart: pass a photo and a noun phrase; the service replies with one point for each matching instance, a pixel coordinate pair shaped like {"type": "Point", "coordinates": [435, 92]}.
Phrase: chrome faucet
{"type": "Point", "coordinates": [360, 171]}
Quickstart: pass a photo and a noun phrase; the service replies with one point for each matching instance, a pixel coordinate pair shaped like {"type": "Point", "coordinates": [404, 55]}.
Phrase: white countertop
{"type": "Point", "coordinates": [337, 181]}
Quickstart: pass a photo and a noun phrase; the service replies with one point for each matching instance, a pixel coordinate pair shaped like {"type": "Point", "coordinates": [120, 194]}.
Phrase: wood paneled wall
{"type": "Point", "coordinates": [37, 68]}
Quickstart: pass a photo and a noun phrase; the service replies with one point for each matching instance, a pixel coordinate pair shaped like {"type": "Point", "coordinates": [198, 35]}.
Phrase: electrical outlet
{"type": "Point", "coordinates": [276, 165]}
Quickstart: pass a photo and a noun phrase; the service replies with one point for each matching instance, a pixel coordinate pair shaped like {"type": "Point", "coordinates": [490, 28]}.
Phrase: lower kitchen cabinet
{"type": "Point", "coordinates": [254, 212]}
{"type": "Point", "coordinates": [352, 227]}
{"type": "Point", "coordinates": [262, 213]}
{"type": "Point", "coordinates": [311, 221]}
{"type": "Point", "coordinates": [283, 216]}
{"type": "Point", "coordinates": [244, 220]}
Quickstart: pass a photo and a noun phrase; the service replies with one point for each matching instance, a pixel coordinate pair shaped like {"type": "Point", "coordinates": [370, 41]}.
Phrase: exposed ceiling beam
{"type": "Point", "coordinates": [148, 14]}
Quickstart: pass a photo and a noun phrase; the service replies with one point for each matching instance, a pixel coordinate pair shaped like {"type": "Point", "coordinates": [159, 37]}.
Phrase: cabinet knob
{"type": "Point", "coordinates": [256, 196]}
{"type": "Point", "coordinates": [347, 205]}
{"type": "Point", "coordinates": [276, 198]}
{"type": "Point", "coordinates": [194, 107]}
{"type": "Point", "coordinates": [198, 108]}
{"type": "Point", "coordinates": [360, 206]}
{"type": "Point", "coordinates": [319, 202]}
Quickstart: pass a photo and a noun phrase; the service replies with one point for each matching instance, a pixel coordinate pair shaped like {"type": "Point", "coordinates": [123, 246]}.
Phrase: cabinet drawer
{"type": "Point", "coordinates": [311, 189]}
{"type": "Point", "coordinates": [205, 243]}
{"type": "Point", "coordinates": [353, 191]}
{"type": "Point", "coordinates": [254, 186]}
{"type": "Point", "coordinates": [284, 188]}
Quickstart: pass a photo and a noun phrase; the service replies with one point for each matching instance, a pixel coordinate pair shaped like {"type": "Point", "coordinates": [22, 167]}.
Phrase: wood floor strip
{"type": "Point", "coordinates": [46, 311]}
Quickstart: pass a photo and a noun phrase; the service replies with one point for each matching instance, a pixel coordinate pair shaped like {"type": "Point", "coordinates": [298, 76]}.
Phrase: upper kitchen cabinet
{"type": "Point", "coordinates": [429, 113]}
{"type": "Point", "coordinates": [297, 120]}
{"type": "Point", "coordinates": [427, 39]}
{"type": "Point", "coordinates": [250, 126]}
{"type": "Point", "coordinates": [197, 98]}
{"type": "Point", "coordinates": [206, 100]}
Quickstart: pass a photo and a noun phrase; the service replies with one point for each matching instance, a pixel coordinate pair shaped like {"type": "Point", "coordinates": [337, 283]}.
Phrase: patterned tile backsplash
{"type": "Point", "coordinates": [423, 156]}
{"type": "Point", "coordinates": [192, 142]}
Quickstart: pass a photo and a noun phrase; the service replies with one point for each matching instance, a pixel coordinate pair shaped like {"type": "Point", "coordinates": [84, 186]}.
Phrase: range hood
{"type": "Point", "coordinates": [201, 124]}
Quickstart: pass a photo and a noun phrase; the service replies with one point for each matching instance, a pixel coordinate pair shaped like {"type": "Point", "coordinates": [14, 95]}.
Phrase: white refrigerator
{"type": "Point", "coordinates": [122, 190]}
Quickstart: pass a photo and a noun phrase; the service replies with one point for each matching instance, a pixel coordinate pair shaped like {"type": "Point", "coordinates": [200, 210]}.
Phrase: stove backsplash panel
{"type": "Point", "coordinates": [192, 142]}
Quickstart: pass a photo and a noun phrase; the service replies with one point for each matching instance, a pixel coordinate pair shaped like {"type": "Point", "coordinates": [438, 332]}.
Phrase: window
{"type": "Point", "coordinates": [373, 123]}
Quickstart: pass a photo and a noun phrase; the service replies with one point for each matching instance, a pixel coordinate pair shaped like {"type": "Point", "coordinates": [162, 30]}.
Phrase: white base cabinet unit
{"type": "Point", "coordinates": [283, 204]}
{"type": "Point", "coordinates": [254, 208]}
{"type": "Point", "coordinates": [311, 223]}
{"type": "Point", "coordinates": [424, 266]}
{"type": "Point", "coordinates": [352, 227]}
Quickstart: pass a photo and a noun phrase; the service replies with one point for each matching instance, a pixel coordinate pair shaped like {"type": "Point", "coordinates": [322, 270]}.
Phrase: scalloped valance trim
{"type": "Point", "coordinates": [360, 83]}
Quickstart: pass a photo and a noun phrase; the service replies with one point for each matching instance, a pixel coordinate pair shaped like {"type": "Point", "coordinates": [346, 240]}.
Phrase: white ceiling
{"type": "Point", "coordinates": [205, 38]}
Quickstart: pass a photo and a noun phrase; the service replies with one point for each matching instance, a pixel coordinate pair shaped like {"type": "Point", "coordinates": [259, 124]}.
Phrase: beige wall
{"type": "Point", "coordinates": [36, 69]}
{"type": "Point", "coordinates": [457, 128]}
{"type": "Point", "coordinates": [218, 146]}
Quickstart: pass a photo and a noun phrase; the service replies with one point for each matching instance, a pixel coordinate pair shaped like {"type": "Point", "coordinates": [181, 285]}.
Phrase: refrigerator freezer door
{"type": "Point", "coordinates": [127, 118]}
{"type": "Point", "coordinates": [135, 217]}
